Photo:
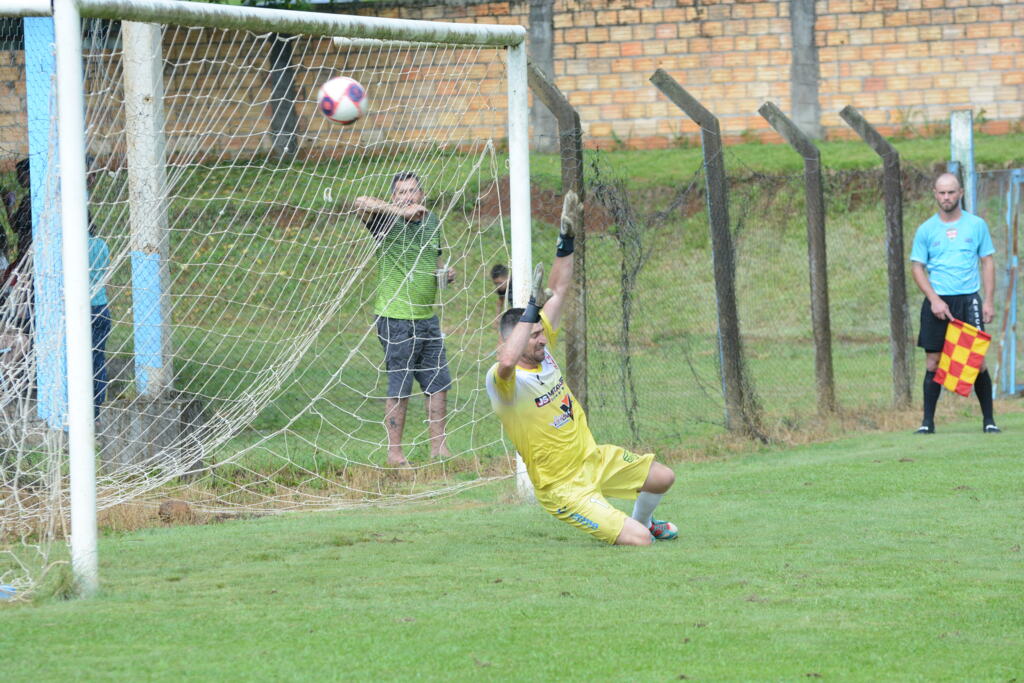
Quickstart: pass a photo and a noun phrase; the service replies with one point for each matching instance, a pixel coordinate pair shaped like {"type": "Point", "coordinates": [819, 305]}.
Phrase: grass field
{"type": "Point", "coordinates": [250, 292]}
{"type": "Point", "coordinates": [287, 366]}
{"type": "Point", "coordinates": [878, 557]}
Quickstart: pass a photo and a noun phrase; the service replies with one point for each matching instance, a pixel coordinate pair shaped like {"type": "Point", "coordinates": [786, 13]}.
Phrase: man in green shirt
{"type": "Point", "coordinates": [410, 270]}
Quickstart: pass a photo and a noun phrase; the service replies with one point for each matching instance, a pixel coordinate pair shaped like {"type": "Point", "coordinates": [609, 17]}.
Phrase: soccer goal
{"type": "Point", "coordinates": [191, 313]}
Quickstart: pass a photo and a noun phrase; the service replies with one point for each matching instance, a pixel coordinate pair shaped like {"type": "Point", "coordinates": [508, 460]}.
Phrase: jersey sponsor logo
{"type": "Point", "coordinates": [951, 233]}
{"type": "Point", "coordinates": [546, 398]}
{"type": "Point", "coordinates": [566, 416]}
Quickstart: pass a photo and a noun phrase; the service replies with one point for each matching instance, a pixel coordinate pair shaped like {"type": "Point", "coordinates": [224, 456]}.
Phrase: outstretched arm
{"type": "Point", "coordinates": [560, 281]}
{"type": "Point", "coordinates": [515, 344]}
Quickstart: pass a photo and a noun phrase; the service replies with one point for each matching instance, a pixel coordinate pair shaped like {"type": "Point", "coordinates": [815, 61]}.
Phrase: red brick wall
{"type": "Point", "coordinates": [13, 123]}
{"type": "Point", "coordinates": [910, 62]}
{"type": "Point", "coordinates": [905, 64]}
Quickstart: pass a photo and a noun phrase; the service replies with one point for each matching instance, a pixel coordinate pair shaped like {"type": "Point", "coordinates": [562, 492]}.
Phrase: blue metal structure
{"type": "Point", "coordinates": [1008, 384]}
{"type": "Point", "coordinates": [962, 164]}
{"type": "Point", "coordinates": [48, 268]}
{"type": "Point", "coordinates": [146, 313]}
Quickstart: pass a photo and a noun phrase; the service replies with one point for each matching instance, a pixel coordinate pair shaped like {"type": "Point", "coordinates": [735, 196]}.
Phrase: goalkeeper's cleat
{"type": "Point", "coordinates": [662, 530]}
{"type": "Point", "coordinates": [925, 429]}
{"type": "Point", "coordinates": [991, 429]}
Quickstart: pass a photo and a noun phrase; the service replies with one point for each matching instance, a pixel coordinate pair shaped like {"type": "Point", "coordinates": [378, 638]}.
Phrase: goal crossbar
{"type": "Point", "coordinates": [343, 42]}
{"type": "Point", "coordinates": [286, 21]}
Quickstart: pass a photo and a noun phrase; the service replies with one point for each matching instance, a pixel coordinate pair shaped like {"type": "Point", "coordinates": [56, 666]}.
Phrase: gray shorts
{"type": "Point", "coordinates": [413, 348]}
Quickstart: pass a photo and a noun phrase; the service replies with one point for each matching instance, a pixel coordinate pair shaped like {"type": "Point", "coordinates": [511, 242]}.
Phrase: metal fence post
{"type": "Point", "coordinates": [742, 410]}
{"type": "Point", "coordinates": [899, 316]}
{"type": "Point", "coordinates": [961, 150]}
{"type": "Point", "coordinates": [816, 258]}
{"type": "Point", "coordinates": [570, 146]}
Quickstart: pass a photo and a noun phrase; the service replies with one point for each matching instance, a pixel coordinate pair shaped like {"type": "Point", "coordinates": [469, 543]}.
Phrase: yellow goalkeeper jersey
{"type": "Point", "coordinates": [541, 416]}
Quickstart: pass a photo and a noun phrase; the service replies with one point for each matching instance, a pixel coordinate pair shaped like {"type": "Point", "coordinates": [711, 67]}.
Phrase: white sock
{"type": "Point", "coordinates": [644, 506]}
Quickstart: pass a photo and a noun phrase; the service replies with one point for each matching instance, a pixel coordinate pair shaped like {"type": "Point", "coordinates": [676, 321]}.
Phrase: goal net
{"type": "Point", "coordinates": [236, 277]}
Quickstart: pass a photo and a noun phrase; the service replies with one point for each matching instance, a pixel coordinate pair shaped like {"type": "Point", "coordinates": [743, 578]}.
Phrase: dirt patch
{"type": "Point", "coordinates": [288, 216]}
{"type": "Point", "coordinates": [545, 205]}
{"type": "Point", "coordinates": [176, 512]}
{"type": "Point", "coordinates": [857, 188]}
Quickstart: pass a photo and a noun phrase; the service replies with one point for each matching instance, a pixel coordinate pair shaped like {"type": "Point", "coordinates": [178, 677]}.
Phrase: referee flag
{"type": "Point", "coordinates": [962, 356]}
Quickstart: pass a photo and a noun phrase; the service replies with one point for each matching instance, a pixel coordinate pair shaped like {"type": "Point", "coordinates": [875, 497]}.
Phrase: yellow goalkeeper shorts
{"type": "Point", "coordinates": [607, 472]}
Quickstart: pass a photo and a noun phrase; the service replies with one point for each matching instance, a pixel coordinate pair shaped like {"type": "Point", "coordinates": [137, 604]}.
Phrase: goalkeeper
{"type": "Point", "coordinates": [571, 474]}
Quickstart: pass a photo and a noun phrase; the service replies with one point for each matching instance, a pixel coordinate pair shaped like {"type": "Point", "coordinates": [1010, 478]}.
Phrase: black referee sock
{"type": "Point", "coordinates": [932, 391]}
{"type": "Point", "coordinates": [983, 389]}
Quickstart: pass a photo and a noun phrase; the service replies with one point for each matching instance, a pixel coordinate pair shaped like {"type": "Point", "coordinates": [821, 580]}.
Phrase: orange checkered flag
{"type": "Point", "coordinates": [962, 356]}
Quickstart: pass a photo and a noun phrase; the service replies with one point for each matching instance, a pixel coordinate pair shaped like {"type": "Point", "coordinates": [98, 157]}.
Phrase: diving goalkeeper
{"type": "Point", "coordinates": [571, 474]}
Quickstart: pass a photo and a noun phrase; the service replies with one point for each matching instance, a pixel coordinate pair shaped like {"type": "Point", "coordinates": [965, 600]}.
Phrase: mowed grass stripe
{"type": "Point", "coordinates": [883, 556]}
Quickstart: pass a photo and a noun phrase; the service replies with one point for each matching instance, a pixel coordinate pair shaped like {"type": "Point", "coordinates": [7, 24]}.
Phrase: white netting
{"type": "Point", "coordinates": [255, 322]}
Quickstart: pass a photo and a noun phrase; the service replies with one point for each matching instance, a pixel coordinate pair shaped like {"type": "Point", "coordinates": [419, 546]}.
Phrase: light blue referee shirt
{"type": "Point", "coordinates": [950, 252]}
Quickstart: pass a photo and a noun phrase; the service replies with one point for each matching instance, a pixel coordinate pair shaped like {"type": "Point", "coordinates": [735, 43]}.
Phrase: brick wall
{"type": "Point", "coordinates": [218, 102]}
{"type": "Point", "coordinates": [908, 62]}
{"type": "Point", "coordinates": [904, 64]}
{"type": "Point", "coordinates": [13, 124]}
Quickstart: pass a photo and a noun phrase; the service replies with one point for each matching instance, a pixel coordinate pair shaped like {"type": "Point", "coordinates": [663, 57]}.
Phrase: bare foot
{"type": "Point", "coordinates": [397, 459]}
{"type": "Point", "coordinates": [441, 454]}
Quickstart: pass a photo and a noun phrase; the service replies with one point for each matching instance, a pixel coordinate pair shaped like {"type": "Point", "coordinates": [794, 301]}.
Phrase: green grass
{"type": "Point", "coordinates": [669, 167]}
{"type": "Point", "coordinates": [245, 287]}
{"type": "Point", "coordinates": [880, 557]}
{"type": "Point", "coordinates": [258, 252]}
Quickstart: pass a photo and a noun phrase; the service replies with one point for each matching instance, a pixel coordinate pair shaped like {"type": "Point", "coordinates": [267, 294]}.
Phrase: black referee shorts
{"type": "Point", "coordinates": [965, 307]}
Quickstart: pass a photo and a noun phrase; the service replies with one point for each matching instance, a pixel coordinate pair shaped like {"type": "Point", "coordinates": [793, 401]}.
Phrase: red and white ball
{"type": "Point", "coordinates": [342, 100]}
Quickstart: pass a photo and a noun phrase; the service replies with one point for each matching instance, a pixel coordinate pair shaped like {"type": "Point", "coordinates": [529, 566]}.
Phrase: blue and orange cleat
{"type": "Point", "coordinates": [662, 530]}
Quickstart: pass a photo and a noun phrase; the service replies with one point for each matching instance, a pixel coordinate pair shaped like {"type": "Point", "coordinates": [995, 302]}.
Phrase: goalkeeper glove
{"type": "Point", "coordinates": [572, 218]}
{"type": "Point", "coordinates": [532, 313]}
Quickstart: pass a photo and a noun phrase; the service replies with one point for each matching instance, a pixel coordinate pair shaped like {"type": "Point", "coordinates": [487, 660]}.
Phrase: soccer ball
{"type": "Point", "coordinates": [342, 100]}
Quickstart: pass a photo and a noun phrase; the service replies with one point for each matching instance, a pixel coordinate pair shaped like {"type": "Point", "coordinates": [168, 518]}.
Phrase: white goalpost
{"type": "Point", "coordinates": [204, 240]}
{"type": "Point", "coordinates": [75, 253]}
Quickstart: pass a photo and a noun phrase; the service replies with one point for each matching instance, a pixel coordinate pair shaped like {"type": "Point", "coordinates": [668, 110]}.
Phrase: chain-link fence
{"type": "Point", "coordinates": [653, 357]}
{"type": "Point", "coordinates": [998, 201]}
